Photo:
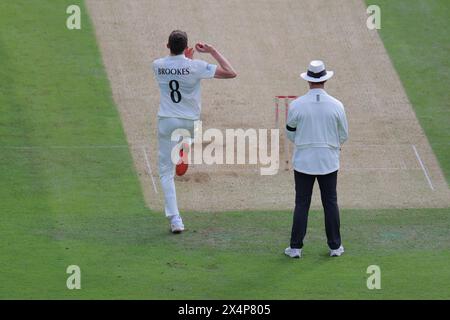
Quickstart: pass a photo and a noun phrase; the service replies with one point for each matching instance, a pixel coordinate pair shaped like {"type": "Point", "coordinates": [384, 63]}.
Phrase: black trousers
{"type": "Point", "coordinates": [303, 191]}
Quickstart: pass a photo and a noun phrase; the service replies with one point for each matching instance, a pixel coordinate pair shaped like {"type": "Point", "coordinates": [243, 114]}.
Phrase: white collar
{"type": "Point", "coordinates": [180, 56]}
{"type": "Point", "coordinates": [316, 91]}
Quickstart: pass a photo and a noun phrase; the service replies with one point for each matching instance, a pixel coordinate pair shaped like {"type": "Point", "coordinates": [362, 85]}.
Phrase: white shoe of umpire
{"type": "Point", "coordinates": [337, 252]}
{"type": "Point", "coordinates": [176, 224]}
{"type": "Point", "coordinates": [293, 253]}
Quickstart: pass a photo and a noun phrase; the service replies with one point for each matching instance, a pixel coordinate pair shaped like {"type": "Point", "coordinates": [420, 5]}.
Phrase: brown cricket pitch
{"type": "Point", "coordinates": [269, 43]}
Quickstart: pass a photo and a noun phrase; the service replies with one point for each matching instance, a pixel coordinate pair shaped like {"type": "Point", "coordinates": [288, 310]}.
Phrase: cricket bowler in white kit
{"type": "Point", "coordinates": [179, 76]}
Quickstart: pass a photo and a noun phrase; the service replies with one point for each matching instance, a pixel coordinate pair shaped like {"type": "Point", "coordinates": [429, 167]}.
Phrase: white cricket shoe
{"type": "Point", "coordinates": [176, 224]}
{"type": "Point", "coordinates": [337, 252]}
{"type": "Point", "coordinates": [293, 253]}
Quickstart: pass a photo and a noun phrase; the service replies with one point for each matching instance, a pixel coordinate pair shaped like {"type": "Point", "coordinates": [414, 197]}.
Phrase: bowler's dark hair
{"type": "Point", "coordinates": [178, 41]}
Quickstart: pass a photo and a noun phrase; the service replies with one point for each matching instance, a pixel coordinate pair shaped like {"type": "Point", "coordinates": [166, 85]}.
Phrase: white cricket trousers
{"type": "Point", "coordinates": [166, 126]}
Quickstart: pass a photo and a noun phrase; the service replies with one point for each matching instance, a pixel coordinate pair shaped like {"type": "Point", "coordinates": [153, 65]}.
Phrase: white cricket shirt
{"type": "Point", "coordinates": [179, 82]}
{"type": "Point", "coordinates": [318, 126]}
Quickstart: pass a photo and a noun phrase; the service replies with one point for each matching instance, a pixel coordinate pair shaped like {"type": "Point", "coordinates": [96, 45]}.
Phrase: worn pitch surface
{"type": "Point", "coordinates": [387, 159]}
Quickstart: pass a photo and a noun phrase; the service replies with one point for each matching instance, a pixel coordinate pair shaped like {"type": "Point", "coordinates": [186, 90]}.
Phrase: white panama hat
{"type": "Point", "coordinates": [317, 72]}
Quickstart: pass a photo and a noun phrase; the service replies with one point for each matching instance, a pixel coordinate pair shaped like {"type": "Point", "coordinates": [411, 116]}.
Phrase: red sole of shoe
{"type": "Point", "coordinates": [181, 167]}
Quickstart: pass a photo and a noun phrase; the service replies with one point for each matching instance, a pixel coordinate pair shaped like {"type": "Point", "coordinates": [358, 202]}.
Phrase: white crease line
{"type": "Point", "coordinates": [149, 168]}
{"type": "Point", "coordinates": [377, 169]}
{"type": "Point", "coordinates": [423, 167]}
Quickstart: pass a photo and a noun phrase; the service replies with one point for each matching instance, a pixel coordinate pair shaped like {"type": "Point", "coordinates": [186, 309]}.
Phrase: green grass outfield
{"type": "Point", "coordinates": [67, 198]}
{"type": "Point", "coordinates": [416, 36]}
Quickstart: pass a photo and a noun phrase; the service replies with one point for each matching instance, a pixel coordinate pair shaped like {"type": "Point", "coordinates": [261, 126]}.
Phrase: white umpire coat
{"type": "Point", "coordinates": [317, 125]}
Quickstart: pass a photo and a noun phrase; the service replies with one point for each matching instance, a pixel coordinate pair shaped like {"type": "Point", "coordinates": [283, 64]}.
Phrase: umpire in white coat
{"type": "Point", "coordinates": [317, 125]}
